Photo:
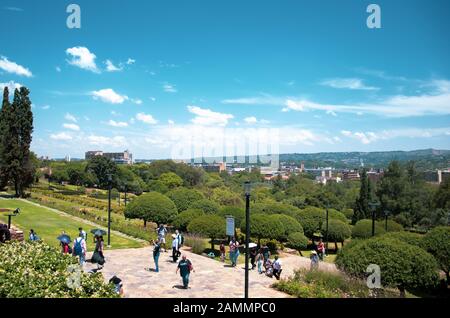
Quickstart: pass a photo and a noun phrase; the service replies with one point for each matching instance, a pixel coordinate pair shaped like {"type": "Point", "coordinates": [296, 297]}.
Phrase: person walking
{"type": "Point", "coordinates": [97, 256]}
{"type": "Point", "coordinates": [259, 260]}
{"type": "Point", "coordinates": [79, 248]}
{"type": "Point", "coordinates": [277, 268]}
{"type": "Point", "coordinates": [83, 233]}
{"type": "Point", "coordinates": [156, 252]}
{"type": "Point", "coordinates": [266, 253]}
{"type": "Point", "coordinates": [314, 260]}
{"type": "Point", "coordinates": [222, 252]}
{"type": "Point", "coordinates": [232, 250]}
{"type": "Point", "coordinates": [321, 249]}
{"type": "Point", "coordinates": [253, 253]}
{"type": "Point", "coordinates": [175, 248]}
{"type": "Point", "coordinates": [162, 231]}
{"type": "Point", "coordinates": [180, 240]}
{"type": "Point", "coordinates": [185, 267]}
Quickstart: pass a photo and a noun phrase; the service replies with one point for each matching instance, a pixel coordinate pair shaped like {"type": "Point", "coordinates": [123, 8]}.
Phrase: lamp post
{"type": "Point", "coordinates": [109, 208]}
{"type": "Point", "coordinates": [247, 233]}
{"type": "Point", "coordinates": [386, 215]}
{"type": "Point", "coordinates": [373, 206]}
{"type": "Point", "coordinates": [126, 189]}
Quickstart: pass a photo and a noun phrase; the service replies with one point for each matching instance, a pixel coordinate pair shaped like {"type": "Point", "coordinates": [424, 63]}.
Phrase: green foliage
{"type": "Point", "coordinates": [207, 206]}
{"type": "Point", "coordinates": [183, 219]}
{"type": "Point", "coordinates": [224, 196]}
{"type": "Point", "coordinates": [442, 196]}
{"type": "Point", "coordinates": [170, 180]}
{"type": "Point", "coordinates": [184, 198]}
{"type": "Point", "coordinates": [196, 242]}
{"type": "Point", "coordinates": [211, 226]}
{"type": "Point", "coordinates": [402, 265]}
{"type": "Point", "coordinates": [338, 231]}
{"type": "Point", "coordinates": [276, 208]}
{"type": "Point", "coordinates": [290, 225]}
{"type": "Point", "coordinates": [157, 186]}
{"type": "Point", "coordinates": [36, 270]}
{"type": "Point", "coordinates": [406, 237]}
{"type": "Point", "coordinates": [437, 242]}
{"type": "Point", "coordinates": [319, 284]}
{"type": "Point", "coordinates": [238, 213]}
{"type": "Point", "coordinates": [100, 167]}
{"type": "Point", "coordinates": [311, 218]}
{"type": "Point", "coordinates": [362, 210]}
{"type": "Point", "coordinates": [392, 226]}
{"type": "Point", "coordinates": [348, 213]}
{"type": "Point", "coordinates": [265, 226]}
{"type": "Point", "coordinates": [152, 206]}
{"type": "Point", "coordinates": [363, 229]}
{"type": "Point", "coordinates": [297, 240]}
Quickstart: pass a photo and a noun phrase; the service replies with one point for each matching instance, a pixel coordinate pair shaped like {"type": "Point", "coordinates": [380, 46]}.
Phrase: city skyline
{"type": "Point", "coordinates": [145, 77]}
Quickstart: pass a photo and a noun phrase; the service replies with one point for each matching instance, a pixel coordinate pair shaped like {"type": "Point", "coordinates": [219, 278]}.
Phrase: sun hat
{"type": "Point", "coordinates": [313, 252]}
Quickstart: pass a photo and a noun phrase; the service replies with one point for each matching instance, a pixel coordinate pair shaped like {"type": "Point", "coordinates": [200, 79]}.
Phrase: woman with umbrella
{"type": "Point", "coordinates": [65, 243]}
{"type": "Point", "coordinates": [98, 257]}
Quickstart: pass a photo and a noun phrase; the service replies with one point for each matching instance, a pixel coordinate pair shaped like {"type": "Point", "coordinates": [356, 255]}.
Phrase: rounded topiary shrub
{"type": "Point", "coordinates": [406, 237]}
{"type": "Point", "coordinates": [311, 218]}
{"type": "Point", "coordinates": [184, 198]}
{"type": "Point", "coordinates": [297, 241]}
{"type": "Point", "coordinates": [237, 213]}
{"type": "Point", "coordinates": [338, 231]}
{"type": "Point", "coordinates": [183, 219]}
{"type": "Point", "coordinates": [263, 226]}
{"type": "Point", "coordinates": [437, 242]}
{"type": "Point", "coordinates": [153, 207]}
{"type": "Point", "coordinates": [36, 270]}
{"type": "Point", "coordinates": [402, 265]}
{"type": "Point", "coordinates": [290, 224]}
{"type": "Point", "coordinates": [363, 229]}
{"type": "Point", "coordinates": [211, 226]}
{"type": "Point", "coordinates": [392, 226]}
{"type": "Point", "coordinates": [207, 206]}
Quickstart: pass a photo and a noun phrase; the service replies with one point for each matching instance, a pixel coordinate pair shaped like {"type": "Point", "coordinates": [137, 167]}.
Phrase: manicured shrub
{"type": "Point", "coordinates": [297, 241]}
{"type": "Point", "coordinates": [338, 231]}
{"type": "Point", "coordinates": [312, 218]}
{"type": "Point", "coordinates": [392, 226]}
{"type": "Point", "coordinates": [157, 186]}
{"type": "Point", "coordinates": [406, 237]}
{"type": "Point", "coordinates": [402, 265]}
{"type": "Point", "coordinates": [184, 198]}
{"type": "Point", "coordinates": [36, 270]}
{"type": "Point", "coordinates": [290, 225]}
{"type": "Point", "coordinates": [363, 229]}
{"type": "Point", "coordinates": [348, 213]}
{"type": "Point", "coordinates": [276, 208]}
{"type": "Point", "coordinates": [152, 206]}
{"type": "Point", "coordinates": [196, 242]}
{"type": "Point", "coordinates": [183, 219]}
{"type": "Point", "coordinates": [171, 180]}
{"type": "Point", "coordinates": [207, 206]}
{"type": "Point", "coordinates": [263, 226]}
{"type": "Point", "coordinates": [211, 226]}
{"type": "Point", "coordinates": [437, 242]}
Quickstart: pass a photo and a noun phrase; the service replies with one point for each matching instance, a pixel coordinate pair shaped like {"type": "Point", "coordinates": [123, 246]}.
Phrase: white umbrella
{"type": "Point", "coordinates": [252, 245]}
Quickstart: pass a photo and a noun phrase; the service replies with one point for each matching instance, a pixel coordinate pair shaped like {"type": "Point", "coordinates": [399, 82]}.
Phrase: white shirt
{"type": "Point", "coordinates": [175, 243]}
{"type": "Point", "coordinates": [277, 264]}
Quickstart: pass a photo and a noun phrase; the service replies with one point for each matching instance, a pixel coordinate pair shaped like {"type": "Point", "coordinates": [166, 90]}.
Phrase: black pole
{"type": "Point", "coordinates": [9, 222]}
{"type": "Point", "coordinates": [126, 196]}
{"type": "Point", "coordinates": [247, 239]}
{"type": "Point", "coordinates": [109, 213]}
{"type": "Point", "coordinates": [326, 235]}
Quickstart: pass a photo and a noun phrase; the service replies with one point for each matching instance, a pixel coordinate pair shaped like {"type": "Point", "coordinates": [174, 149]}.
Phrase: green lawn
{"type": "Point", "coordinates": [49, 224]}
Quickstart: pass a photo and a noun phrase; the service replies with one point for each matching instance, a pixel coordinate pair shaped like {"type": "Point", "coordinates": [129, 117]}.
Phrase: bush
{"type": "Point", "coordinates": [211, 226]}
{"type": "Point", "coordinates": [290, 225]}
{"type": "Point", "coordinates": [170, 180]}
{"type": "Point", "coordinates": [207, 206]}
{"type": "Point", "coordinates": [184, 198]}
{"type": "Point", "coordinates": [152, 206]}
{"type": "Point", "coordinates": [312, 218]}
{"type": "Point", "coordinates": [157, 186]}
{"type": "Point", "coordinates": [402, 265]}
{"type": "Point", "coordinates": [272, 244]}
{"type": "Point", "coordinates": [406, 237]}
{"type": "Point", "coordinates": [183, 219]}
{"type": "Point", "coordinates": [348, 213]}
{"type": "Point", "coordinates": [196, 243]}
{"type": "Point", "coordinates": [392, 226]}
{"type": "Point", "coordinates": [276, 208]}
{"type": "Point", "coordinates": [238, 213]}
{"type": "Point", "coordinates": [363, 229]}
{"type": "Point", "coordinates": [297, 241]}
{"type": "Point", "coordinates": [437, 242]}
{"type": "Point", "coordinates": [338, 231]}
{"type": "Point", "coordinates": [36, 270]}
{"type": "Point", "coordinates": [263, 226]}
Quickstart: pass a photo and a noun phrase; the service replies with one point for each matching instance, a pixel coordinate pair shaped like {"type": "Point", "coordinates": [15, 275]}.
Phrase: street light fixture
{"type": "Point", "coordinates": [247, 188]}
{"type": "Point", "coordinates": [373, 206]}
{"type": "Point", "coordinates": [109, 208]}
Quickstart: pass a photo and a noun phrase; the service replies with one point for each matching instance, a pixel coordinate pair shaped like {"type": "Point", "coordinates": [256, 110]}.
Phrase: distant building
{"type": "Point", "coordinates": [351, 175]}
{"type": "Point", "coordinates": [375, 175]}
{"type": "Point", "coordinates": [215, 167]}
{"type": "Point", "coordinates": [67, 158]}
{"type": "Point", "coordinates": [436, 176]}
{"type": "Point", "coordinates": [124, 157]}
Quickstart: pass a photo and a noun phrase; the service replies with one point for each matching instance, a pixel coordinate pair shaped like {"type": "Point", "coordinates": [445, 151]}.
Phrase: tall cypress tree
{"type": "Point", "coordinates": [4, 113]}
{"type": "Point", "coordinates": [361, 210]}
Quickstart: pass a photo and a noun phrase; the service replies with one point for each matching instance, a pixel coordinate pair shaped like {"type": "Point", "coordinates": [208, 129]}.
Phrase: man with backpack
{"type": "Point", "coordinates": [79, 248]}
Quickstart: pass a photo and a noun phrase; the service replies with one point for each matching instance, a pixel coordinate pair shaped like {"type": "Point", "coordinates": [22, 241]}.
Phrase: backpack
{"type": "Point", "coordinates": [77, 249]}
{"type": "Point", "coordinates": [181, 239]}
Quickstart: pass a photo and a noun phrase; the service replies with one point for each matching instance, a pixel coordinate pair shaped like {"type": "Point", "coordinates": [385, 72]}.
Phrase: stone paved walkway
{"type": "Point", "coordinates": [211, 278]}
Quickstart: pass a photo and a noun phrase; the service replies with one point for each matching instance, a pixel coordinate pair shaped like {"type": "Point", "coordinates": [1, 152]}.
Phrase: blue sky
{"type": "Point", "coordinates": [155, 76]}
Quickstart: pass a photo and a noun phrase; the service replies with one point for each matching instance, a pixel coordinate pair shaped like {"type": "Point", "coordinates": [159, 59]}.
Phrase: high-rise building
{"type": "Point", "coordinates": [124, 157]}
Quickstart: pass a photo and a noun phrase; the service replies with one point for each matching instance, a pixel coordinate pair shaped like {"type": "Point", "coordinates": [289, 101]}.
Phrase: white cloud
{"type": "Point", "coordinates": [146, 118]}
{"type": "Point", "coordinates": [17, 9]}
{"type": "Point", "coordinates": [45, 107]}
{"type": "Point", "coordinates": [110, 67]}
{"type": "Point", "coordinates": [71, 126]}
{"type": "Point", "coordinates": [116, 141]}
{"type": "Point", "coordinates": [170, 122]}
{"type": "Point", "coordinates": [70, 117]}
{"type": "Point", "coordinates": [11, 86]}
{"type": "Point", "coordinates": [153, 99]}
{"type": "Point", "coordinates": [130, 61]}
{"type": "Point", "coordinates": [208, 117]}
{"type": "Point", "coordinates": [61, 136]}
{"type": "Point", "coordinates": [137, 101]}
{"type": "Point", "coordinates": [83, 58]}
{"type": "Point", "coordinates": [14, 68]}
{"type": "Point", "coordinates": [169, 88]}
{"type": "Point", "coordinates": [254, 120]}
{"type": "Point", "coordinates": [58, 69]}
{"type": "Point", "coordinates": [114, 123]}
{"type": "Point", "coordinates": [265, 99]}
{"type": "Point", "coordinates": [108, 95]}
{"type": "Point", "coordinates": [332, 113]}
{"type": "Point", "coordinates": [347, 83]}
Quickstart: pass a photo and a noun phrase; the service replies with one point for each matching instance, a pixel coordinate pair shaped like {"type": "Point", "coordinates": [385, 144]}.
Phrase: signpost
{"type": "Point", "coordinates": [230, 226]}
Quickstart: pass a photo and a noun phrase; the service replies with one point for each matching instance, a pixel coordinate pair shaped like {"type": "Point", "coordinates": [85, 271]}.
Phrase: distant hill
{"type": "Point", "coordinates": [425, 159]}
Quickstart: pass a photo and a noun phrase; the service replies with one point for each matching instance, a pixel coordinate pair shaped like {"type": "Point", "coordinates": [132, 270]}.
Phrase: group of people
{"type": "Point", "coordinates": [184, 265]}
{"type": "Point", "coordinates": [317, 254]}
